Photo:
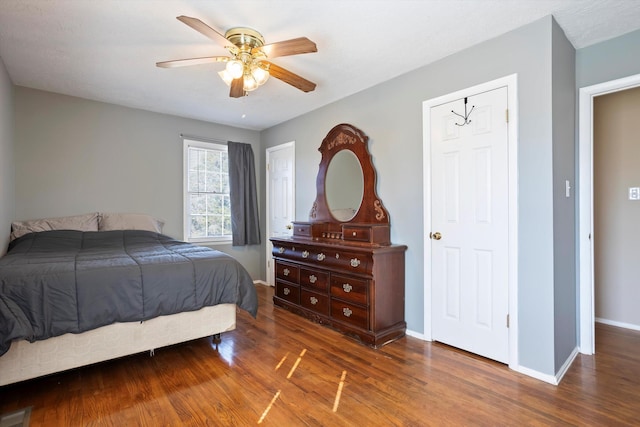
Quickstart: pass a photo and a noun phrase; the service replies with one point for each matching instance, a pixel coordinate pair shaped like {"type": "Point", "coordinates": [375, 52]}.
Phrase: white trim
{"type": "Point", "coordinates": [415, 334]}
{"type": "Point", "coordinates": [618, 324]}
{"type": "Point", "coordinates": [511, 82]}
{"type": "Point", "coordinates": [261, 282]}
{"type": "Point", "coordinates": [268, 151]}
{"type": "Point", "coordinates": [585, 209]}
{"type": "Point", "coordinates": [551, 379]}
{"type": "Point", "coordinates": [566, 365]}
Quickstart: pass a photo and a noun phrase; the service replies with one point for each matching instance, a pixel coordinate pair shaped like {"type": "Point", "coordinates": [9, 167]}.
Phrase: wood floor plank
{"type": "Point", "coordinates": [280, 369]}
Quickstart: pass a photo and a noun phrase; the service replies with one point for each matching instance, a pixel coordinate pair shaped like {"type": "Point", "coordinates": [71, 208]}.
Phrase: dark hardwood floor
{"type": "Point", "coordinates": [282, 370]}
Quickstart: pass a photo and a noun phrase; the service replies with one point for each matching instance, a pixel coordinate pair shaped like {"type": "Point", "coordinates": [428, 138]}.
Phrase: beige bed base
{"type": "Point", "coordinates": [26, 360]}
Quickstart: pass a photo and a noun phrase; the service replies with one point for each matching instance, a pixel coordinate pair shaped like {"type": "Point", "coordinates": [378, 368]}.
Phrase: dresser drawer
{"type": "Point", "coordinates": [366, 233]}
{"type": "Point", "coordinates": [302, 229]}
{"type": "Point", "coordinates": [349, 289]}
{"type": "Point", "coordinates": [357, 234]}
{"type": "Point", "coordinates": [314, 301]}
{"type": "Point", "coordinates": [288, 272]}
{"type": "Point", "coordinates": [349, 313]}
{"type": "Point", "coordinates": [350, 262]}
{"type": "Point", "coordinates": [314, 279]}
{"type": "Point", "coordinates": [288, 292]}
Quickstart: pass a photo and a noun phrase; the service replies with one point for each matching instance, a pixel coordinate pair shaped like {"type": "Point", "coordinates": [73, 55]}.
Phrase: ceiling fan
{"type": "Point", "coordinates": [249, 65]}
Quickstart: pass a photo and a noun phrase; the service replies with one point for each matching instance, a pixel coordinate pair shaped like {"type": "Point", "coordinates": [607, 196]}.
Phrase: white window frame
{"type": "Point", "coordinates": [186, 203]}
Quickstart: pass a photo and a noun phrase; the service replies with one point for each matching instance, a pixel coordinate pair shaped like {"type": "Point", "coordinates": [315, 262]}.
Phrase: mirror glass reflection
{"type": "Point", "coordinates": [344, 185]}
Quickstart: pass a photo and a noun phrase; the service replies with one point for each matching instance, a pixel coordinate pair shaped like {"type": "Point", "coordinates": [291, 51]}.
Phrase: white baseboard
{"type": "Point", "coordinates": [618, 324]}
{"type": "Point", "coordinates": [551, 379]}
{"type": "Point", "coordinates": [567, 364]}
{"type": "Point", "coordinates": [261, 282]}
{"type": "Point", "coordinates": [415, 334]}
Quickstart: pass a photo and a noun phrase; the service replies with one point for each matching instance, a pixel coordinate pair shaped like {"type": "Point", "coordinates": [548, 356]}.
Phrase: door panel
{"type": "Point", "coordinates": [280, 197]}
{"type": "Point", "coordinates": [469, 190]}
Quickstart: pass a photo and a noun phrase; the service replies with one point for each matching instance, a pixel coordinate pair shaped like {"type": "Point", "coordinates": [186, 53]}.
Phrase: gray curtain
{"type": "Point", "coordinates": [245, 224]}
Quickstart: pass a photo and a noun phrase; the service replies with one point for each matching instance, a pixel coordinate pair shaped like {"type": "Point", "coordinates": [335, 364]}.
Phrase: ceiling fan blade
{"type": "Point", "coordinates": [192, 61]}
{"type": "Point", "coordinates": [290, 78]}
{"type": "Point", "coordinates": [288, 47]}
{"type": "Point", "coordinates": [204, 29]}
{"type": "Point", "coordinates": [237, 88]}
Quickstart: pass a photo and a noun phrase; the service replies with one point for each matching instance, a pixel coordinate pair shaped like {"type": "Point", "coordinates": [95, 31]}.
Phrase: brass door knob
{"type": "Point", "coordinates": [289, 227]}
{"type": "Point", "coordinates": [435, 236]}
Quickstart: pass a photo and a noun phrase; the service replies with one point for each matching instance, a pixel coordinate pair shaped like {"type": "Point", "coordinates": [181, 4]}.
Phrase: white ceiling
{"type": "Point", "coordinates": [106, 50]}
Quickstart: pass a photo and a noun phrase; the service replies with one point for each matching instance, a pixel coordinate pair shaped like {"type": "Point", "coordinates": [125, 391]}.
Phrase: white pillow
{"type": "Point", "coordinates": [86, 222]}
{"type": "Point", "coordinates": [129, 221]}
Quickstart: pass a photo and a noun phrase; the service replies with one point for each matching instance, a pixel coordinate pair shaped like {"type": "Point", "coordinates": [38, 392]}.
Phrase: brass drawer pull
{"type": "Point", "coordinates": [281, 249]}
{"type": "Point", "coordinates": [313, 300]}
{"type": "Point", "coordinates": [347, 312]}
{"type": "Point", "coordinates": [355, 262]}
{"type": "Point", "coordinates": [313, 279]}
{"type": "Point", "coordinates": [305, 254]}
{"type": "Point", "coordinates": [286, 271]}
{"type": "Point", "coordinates": [286, 291]}
{"type": "Point", "coordinates": [320, 256]}
{"type": "Point", "coordinates": [347, 287]}
{"type": "Point", "coordinates": [354, 234]}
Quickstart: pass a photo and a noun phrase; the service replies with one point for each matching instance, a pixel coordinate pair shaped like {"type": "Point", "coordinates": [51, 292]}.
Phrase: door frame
{"type": "Point", "coordinates": [269, 268]}
{"type": "Point", "coordinates": [585, 208]}
{"type": "Point", "coordinates": [511, 82]}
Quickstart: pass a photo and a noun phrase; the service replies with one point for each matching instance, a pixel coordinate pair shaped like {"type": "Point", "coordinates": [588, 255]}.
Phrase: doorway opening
{"type": "Point", "coordinates": [586, 237]}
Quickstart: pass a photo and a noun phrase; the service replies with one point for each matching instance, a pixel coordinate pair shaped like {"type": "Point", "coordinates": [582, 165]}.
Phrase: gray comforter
{"type": "Point", "coordinates": [55, 282]}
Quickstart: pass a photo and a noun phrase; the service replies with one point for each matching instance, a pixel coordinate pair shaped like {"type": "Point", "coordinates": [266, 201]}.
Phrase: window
{"type": "Point", "coordinates": [207, 205]}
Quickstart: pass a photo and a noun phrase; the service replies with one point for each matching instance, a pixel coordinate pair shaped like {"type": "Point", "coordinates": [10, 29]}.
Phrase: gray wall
{"type": "Point", "coordinates": [7, 177]}
{"type": "Point", "coordinates": [609, 60]}
{"type": "Point", "coordinates": [616, 150]}
{"type": "Point", "coordinates": [564, 208]}
{"type": "Point", "coordinates": [74, 156]}
{"type": "Point", "coordinates": [391, 115]}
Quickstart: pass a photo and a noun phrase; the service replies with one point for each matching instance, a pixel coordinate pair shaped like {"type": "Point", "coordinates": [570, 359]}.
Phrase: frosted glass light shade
{"type": "Point", "coordinates": [225, 76]}
{"type": "Point", "coordinates": [235, 68]}
{"type": "Point", "coordinates": [249, 83]}
{"type": "Point", "coordinates": [260, 74]}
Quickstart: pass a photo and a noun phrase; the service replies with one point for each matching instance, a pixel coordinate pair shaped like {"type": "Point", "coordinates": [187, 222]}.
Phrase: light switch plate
{"type": "Point", "coordinates": [634, 193]}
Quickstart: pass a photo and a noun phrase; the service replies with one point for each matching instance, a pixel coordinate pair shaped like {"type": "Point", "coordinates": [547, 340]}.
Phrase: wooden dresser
{"type": "Point", "coordinates": [344, 273]}
{"type": "Point", "coordinates": [354, 289]}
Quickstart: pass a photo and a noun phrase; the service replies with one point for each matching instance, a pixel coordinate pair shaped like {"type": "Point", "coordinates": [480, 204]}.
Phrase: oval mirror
{"type": "Point", "coordinates": [344, 185]}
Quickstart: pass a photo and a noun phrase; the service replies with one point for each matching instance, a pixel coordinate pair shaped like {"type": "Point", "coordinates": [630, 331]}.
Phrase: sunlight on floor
{"type": "Point", "coordinates": [295, 365]}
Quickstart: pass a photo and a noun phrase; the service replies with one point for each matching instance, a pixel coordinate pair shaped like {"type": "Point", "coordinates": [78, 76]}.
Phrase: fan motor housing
{"type": "Point", "coordinates": [244, 38]}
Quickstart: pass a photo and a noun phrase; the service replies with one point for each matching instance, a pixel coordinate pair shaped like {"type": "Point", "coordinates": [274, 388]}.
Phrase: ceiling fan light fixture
{"type": "Point", "coordinates": [250, 83]}
{"type": "Point", "coordinates": [225, 76]}
{"type": "Point", "coordinates": [249, 59]}
{"type": "Point", "coordinates": [259, 74]}
{"type": "Point", "coordinates": [235, 68]}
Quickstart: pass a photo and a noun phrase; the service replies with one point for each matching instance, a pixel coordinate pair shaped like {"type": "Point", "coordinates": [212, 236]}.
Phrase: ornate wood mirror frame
{"type": "Point", "coordinates": [369, 224]}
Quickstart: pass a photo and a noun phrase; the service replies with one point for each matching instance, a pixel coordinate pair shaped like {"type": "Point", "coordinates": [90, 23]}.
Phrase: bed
{"type": "Point", "coordinates": [73, 297]}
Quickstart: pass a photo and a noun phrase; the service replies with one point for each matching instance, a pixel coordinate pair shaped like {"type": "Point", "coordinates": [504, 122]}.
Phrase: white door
{"type": "Point", "coordinates": [280, 196]}
{"type": "Point", "coordinates": [470, 212]}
